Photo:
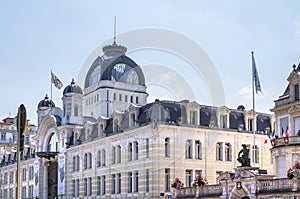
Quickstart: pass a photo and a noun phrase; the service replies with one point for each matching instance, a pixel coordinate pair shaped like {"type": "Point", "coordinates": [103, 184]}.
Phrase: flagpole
{"type": "Point", "coordinates": [253, 108]}
{"type": "Point", "coordinates": [51, 85]}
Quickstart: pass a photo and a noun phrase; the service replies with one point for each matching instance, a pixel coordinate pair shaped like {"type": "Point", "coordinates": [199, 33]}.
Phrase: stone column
{"type": "Point", "coordinates": [45, 178]}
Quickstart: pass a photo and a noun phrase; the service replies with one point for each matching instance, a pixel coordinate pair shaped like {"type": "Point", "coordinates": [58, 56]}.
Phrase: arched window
{"type": "Point", "coordinates": [99, 159]}
{"type": "Point", "coordinates": [74, 163]}
{"type": "Point", "coordinates": [85, 161]}
{"type": "Point", "coordinates": [75, 110]}
{"type": "Point", "coordinates": [52, 145]}
{"type": "Point", "coordinates": [103, 158]}
{"type": "Point", "coordinates": [90, 161]}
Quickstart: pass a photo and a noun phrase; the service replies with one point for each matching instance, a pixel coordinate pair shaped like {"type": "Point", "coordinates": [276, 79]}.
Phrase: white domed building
{"type": "Point", "coordinates": [107, 142]}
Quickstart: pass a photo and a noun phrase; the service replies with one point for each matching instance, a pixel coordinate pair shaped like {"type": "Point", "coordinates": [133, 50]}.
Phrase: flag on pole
{"type": "Point", "coordinates": [282, 132]}
{"type": "Point", "coordinates": [54, 79]}
{"type": "Point", "coordinates": [267, 138]}
{"type": "Point", "coordinates": [287, 132]}
{"type": "Point", "coordinates": [273, 134]}
{"type": "Point", "coordinates": [255, 77]}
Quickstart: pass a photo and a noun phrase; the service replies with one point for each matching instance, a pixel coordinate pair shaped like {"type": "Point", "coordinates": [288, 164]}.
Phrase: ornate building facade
{"type": "Point", "coordinates": [251, 182]}
{"type": "Point", "coordinates": [107, 142]}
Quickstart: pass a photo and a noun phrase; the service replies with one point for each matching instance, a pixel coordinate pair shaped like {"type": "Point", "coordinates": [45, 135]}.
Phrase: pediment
{"type": "Point", "coordinates": [193, 105]}
{"type": "Point", "coordinates": [223, 109]}
{"type": "Point", "coordinates": [133, 107]}
{"type": "Point", "coordinates": [250, 113]}
{"type": "Point", "coordinates": [117, 113]}
{"type": "Point", "coordinates": [294, 77]}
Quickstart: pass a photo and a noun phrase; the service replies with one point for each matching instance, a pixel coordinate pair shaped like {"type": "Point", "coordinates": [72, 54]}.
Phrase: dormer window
{"type": "Point", "coordinates": [116, 125]}
{"type": "Point", "coordinates": [297, 92]}
{"type": "Point", "coordinates": [193, 117]}
{"type": "Point", "coordinates": [250, 124]}
{"type": "Point", "coordinates": [132, 120]}
{"type": "Point", "coordinates": [223, 121]}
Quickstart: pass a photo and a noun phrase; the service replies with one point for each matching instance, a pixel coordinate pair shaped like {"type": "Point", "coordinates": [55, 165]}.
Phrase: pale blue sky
{"type": "Point", "coordinates": [39, 36]}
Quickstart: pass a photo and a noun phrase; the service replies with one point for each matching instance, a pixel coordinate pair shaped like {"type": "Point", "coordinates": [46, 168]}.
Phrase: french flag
{"type": "Point", "coordinates": [268, 137]}
{"type": "Point", "coordinates": [287, 132]}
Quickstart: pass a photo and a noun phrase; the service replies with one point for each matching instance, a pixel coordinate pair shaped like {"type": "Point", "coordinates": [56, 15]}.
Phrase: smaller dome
{"type": "Point", "coordinates": [73, 88]}
{"type": "Point", "coordinates": [46, 102]}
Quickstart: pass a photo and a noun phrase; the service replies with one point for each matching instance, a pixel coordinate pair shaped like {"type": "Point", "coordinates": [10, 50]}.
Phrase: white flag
{"type": "Point", "coordinates": [255, 77]}
{"type": "Point", "coordinates": [54, 79]}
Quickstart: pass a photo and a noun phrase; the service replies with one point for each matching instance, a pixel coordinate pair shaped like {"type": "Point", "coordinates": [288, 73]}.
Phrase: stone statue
{"type": "Point", "coordinates": [243, 156]}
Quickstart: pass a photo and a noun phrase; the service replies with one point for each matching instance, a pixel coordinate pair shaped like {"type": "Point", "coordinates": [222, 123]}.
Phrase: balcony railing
{"type": "Point", "coordinates": [202, 191]}
{"type": "Point", "coordinates": [8, 141]}
{"type": "Point", "coordinates": [278, 185]}
{"type": "Point", "coordinates": [271, 186]}
{"type": "Point", "coordinates": [292, 140]}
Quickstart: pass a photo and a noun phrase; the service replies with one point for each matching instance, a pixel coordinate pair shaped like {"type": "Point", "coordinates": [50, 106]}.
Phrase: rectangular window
{"type": "Point", "coordinates": [85, 186]}
{"type": "Point", "coordinates": [113, 191]}
{"type": "Point", "coordinates": [77, 188]}
{"type": "Point", "coordinates": [118, 155]}
{"type": "Point", "coordinates": [136, 150]}
{"type": "Point", "coordinates": [193, 117]}
{"type": "Point", "coordinates": [255, 154]}
{"type": "Point", "coordinates": [120, 97]}
{"type": "Point", "coordinates": [219, 151]}
{"type": "Point", "coordinates": [103, 158]}
{"type": "Point", "coordinates": [188, 178]}
{"type": "Point", "coordinates": [281, 165]}
{"type": "Point", "coordinates": [115, 96]}
{"type": "Point", "coordinates": [167, 179]}
{"type": "Point", "coordinates": [24, 174]}
{"type": "Point", "coordinates": [297, 92]}
{"type": "Point", "coordinates": [90, 185]}
{"type": "Point", "coordinates": [228, 152]}
{"type": "Point", "coordinates": [130, 180]}
{"type": "Point", "coordinates": [297, 125]}
{"type": "Point", "coordinates": [116, 125]}
{"type": "Point", "coordinates": [189, 149]}
{"type": "Point", "coordinates": [132, 120]}
{"type": "Point", "coordinates": [23, 193]}
{"type": "Point", "coordinates": [77, 163]}
{"type": "Point", "coordinates": [103, 185]}
{"type": "Point", "coordinates": [167, 147]}
{"type": "Point", "coordinates": [126, 98]}
{"type": "Point", "coordinates": [284, 125]}
{"type": "Point", "coordinates": [98, 185]}
{"type": "Point", "coordinates": [250, 124]}
{"type": "Point", "coordinates": [74, 188]}
{"type": "Point", "coordinates": [11, 193]}
{"type": "Point", "coordinates": [113, 154]}
{"type": "Point", "coordinates": [147, 180]}
{"type": "Point", "coordinates": [118, 181]}
{"type": "Point", "coordinates": [198, 149]}
{"type": "Point", "coordinates": [99, 158]}
{"type": "Point", "coordinates": [129, 151]}
{"type": "Point", "coordinates": [136, 181]}
{"type": "Point", "coordinates": [74, 163]}
{"type": "Point", "coordinates": [30, 191]}
{"type": "Point", "coordinates": [147, 148]}
{"type": "Point", "coordinates": [223, 121]}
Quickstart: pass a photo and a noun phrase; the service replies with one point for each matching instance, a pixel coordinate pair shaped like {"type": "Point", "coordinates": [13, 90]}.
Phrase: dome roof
{"type": "Point", "coordinates": [46, 102]}
{"type": "Point", "coordinates": [114, 65]}
{"type": "Point", "coordinates": [73, 88]}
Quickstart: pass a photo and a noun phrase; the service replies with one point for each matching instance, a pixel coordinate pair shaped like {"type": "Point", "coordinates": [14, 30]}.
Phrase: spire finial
{"type": "Point", "coordinates": [115, 29]}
